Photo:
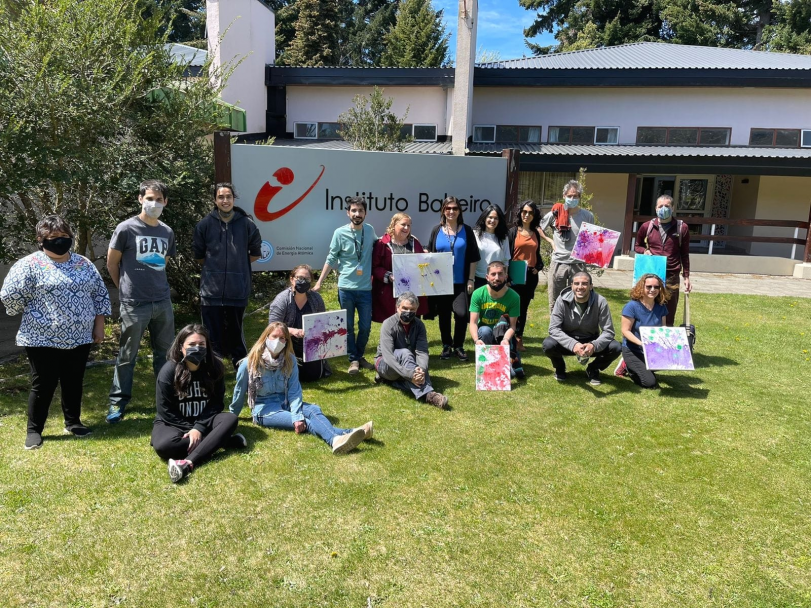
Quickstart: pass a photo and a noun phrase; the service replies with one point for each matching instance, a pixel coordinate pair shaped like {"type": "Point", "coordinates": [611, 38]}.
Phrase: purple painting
{"type": "Point", "coordinates": [666, 348]}
{"type": "Point", "coordinates": [324, 335]}
{"type": "Point", "coordinates": [424, 274]}
{"type": "Point", "coordinates": [595, 245]}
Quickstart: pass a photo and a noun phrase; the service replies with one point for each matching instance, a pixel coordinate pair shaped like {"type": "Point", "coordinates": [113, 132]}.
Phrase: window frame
{"type": "Point", "coordinates": [304, 122]}
{"type": "Point", "coordinates": [596, 143]}
{"type": "Point", "coordinates": [774, 138]}
{"type": "Point", "coordinates": [698, 143]}
{"type": "Point", "coordinates": [484, 141]}
{"type": "Point", "coordinates": [424, 124]}
{"type": "Point", "coordinates": [802, 133]}
{"type": "Point", "coordinates": [571, 132]}
{"type": "Point", "coordinates": [327, 122]}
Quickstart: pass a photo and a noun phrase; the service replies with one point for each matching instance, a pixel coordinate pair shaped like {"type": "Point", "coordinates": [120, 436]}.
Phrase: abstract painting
{"type": "Point", "coordinates": [518, 272]}
{"type": "Point", "coordinates": [649, 264]}
{"type": "Point", "coordinates": [492, 367]}
{"type": "Point", "coordinates": [666, 348]}
{"type": "Point", "coordinates": [324, 335]}
{"type": "Point", "coordinates": [595, 245]}
{"type": "Point", "coordinates": [424, 274]}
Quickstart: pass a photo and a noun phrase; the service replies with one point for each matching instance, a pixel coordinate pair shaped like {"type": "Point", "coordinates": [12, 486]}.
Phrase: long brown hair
{"type": "Point", "coordinates": [638, 290]}
{"type": "Point", "coordinates": [255, 363]}
{"type": "Point", "coordinates": [211, 367]}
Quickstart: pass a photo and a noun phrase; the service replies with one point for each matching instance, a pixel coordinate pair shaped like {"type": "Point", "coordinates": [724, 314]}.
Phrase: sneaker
{"type": "Point", "coordinates": [365, 364]}
{"type": "Point", "coordinates": [178, 469]}
{"type": "Point", "coordinates": [368, 430]}
{"type": "Point", "coordinates": [460, 354]}
{"type": "Point", "coordinates": [348, 442]}
{"type": "Point", "coordinates": [446, 353]}
{"type": "Point", "coordinates": [236, 442]}
{"type": "Point", "coordinates": [115, 414]}
{"type": "Point", "coordinates": [354, 367]}
{"type": "Point", "coordinates": [78, 430]}
{"type": "Point", "coordinates": [33, 441]}
{"type": "Point", "coordinates": [436, 399]}
{"type": "Point", "coordinates": [560, 376]}
{"type": "Point", "coordinates": [594, 376]}
{"type": "Point", "coordinates": [621, 369]}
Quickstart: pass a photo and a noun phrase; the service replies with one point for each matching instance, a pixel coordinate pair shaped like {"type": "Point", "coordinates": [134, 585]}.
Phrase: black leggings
{"type": "Point", "coordinates": [444, 310]}
{"type": "Point", "coordinates": [49, 367]}
{"type": "Point", "coordinates": [169, 442]}
{"type": "Point", "coordinates": [639, 373]}
{"type": "Point", "coordinates": [526, 293]}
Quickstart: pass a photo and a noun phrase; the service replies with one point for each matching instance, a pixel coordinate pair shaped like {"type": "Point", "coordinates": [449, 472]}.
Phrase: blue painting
{"type": "Point", "coordinates": [649, 264]}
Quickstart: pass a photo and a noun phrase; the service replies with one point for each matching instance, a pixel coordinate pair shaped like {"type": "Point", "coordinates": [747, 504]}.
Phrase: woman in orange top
{"type": "Point", "coordinates": [525, 244]}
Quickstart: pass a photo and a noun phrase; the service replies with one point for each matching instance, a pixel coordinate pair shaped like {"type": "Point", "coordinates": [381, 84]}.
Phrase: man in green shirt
{"type": "Point", "coordinates": [494, 310]}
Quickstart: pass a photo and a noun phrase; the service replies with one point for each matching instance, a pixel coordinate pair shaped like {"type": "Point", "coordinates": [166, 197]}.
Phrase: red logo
{"type": "Point", "coordinates": [285, 177]}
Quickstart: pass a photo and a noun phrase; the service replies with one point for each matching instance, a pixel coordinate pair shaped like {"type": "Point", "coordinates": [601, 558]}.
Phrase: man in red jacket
{"type": "Point", "coordinates": [671, 238]}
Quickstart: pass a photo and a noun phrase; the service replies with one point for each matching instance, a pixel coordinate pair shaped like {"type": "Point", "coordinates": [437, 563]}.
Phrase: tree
{"type": "Point", "coordinates": [90, 105]}
{"type": "Point", "coordinates": [418, 38]}
{"type": "Point", "coordinates": [371, 125]}
{"type": "Point", "coordinates": [790, 30]}
{"type": "Point", "coordinates": [317, 34]}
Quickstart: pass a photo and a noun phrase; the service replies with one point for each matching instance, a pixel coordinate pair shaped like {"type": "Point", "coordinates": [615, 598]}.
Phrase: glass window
{"type": "Point", "coordinates": [559, 135]}
{"type": "Point", "coordinates": [582, 135]}
{"type": "Point", "coordinates": [424, 132]}
{"type": "Point", "coordinates": [405, 131]}
{"type": "Point", "coordinates": [788, 138]}
{"type": "Point", "coordinates": [714, 137]}
{"type": "Point", "coordinates": [683, 137]}
{"type": "Point", "coordinates": [305, 130]}
{"type": "Point", "coordinates": [651, 135]}
{"type": "Point", "coordinates": [761, 137]}
{"type": "Point", "coordinates": [529, 135]}
{"type": "Point", "coordinates": [329, 130]}
{"type": "Point", "coordinates": [606, 135]}
{"type": "Point", "coordinates": [505, 133]}
{"type": "Point", "coordinates": [806, 139]}
{"type": "Point", "coordinates": [553, 187]}
{"type": "Point", "coordinates": [484, 133]}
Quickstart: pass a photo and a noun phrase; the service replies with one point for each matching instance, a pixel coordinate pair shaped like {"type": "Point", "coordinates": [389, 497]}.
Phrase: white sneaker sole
{"type": "Point", "coordinates": [348, 442]}
{"type": "Point", "coordinates": [175, 472]}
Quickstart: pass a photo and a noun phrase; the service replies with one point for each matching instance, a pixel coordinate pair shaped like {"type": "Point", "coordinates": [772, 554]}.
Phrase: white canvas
{"type": "Point", "coordinates": [425, 274]}
{"type": "Point", "coordinates": [324, 335]}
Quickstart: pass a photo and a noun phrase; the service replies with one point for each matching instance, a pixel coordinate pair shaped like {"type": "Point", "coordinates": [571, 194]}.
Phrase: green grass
{"type": "Point", "coordinates": [697, 494]}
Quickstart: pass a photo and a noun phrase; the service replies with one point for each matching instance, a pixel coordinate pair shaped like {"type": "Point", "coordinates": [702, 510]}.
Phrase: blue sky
{"type": "Point", "coordinates": [501, 26]}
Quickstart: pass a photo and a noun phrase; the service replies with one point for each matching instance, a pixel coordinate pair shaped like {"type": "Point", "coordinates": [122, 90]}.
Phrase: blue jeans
{"type": "Point", "coordinates": [352, 300]}
{"type": "Point", "coordinates": [406, 359]}
{"type": "Point", "coordinates": [136, 318]}
{"type": "Point", "coordinates": [317, 424]}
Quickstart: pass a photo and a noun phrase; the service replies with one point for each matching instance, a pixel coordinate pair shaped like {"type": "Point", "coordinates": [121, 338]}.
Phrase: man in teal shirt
{"type": "Point", "coordinates": [350, 252]}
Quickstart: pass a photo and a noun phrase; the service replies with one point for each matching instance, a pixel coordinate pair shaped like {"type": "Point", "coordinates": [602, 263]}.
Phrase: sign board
{"type": "Point", "coordinates": [297, 196]}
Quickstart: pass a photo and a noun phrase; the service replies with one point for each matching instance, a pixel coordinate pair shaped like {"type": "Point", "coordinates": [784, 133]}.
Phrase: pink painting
{"type": "Point", "coordinates": [324, 335]}
{"type": "Point", "coordinates": [492, 367]}
{"type": "Point", "coordinates": [595, 245]}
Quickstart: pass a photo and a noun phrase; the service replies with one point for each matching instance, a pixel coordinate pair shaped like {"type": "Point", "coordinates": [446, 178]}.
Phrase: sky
{"type": "Point", "coordinates": [500, 29]}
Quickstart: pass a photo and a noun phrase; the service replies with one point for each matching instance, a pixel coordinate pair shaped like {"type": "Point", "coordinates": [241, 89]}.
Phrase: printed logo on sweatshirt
{"type": "Point", "coordinates": [151, 251]}
{"type": "Point", "coordinates": [195, 402]}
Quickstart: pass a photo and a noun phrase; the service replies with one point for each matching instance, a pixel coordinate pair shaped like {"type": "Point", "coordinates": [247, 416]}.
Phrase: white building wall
{"type": "Point", "coordinates": [629, 108]}
{"type": "Point", "coordinates": [781, 198]}
{"type": "Point", "coordinates": [425, 105]}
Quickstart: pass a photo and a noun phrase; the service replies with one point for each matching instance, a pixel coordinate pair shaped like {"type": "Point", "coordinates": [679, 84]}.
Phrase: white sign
{"type": "Point", "coordinates": [297, 196]}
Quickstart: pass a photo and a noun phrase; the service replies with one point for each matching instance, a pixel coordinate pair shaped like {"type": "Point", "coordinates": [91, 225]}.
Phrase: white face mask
{"type": "Point", "coordinates": [275, 346]}
{"type": "Point", "coordinates": [153, 209]}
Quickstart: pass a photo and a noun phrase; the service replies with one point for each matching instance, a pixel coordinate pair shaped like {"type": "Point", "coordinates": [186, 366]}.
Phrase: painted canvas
{"type": "Point", "coordinates": [595, 245]}
{"type": "Point", "coordinates": [666, 348]}
{"type": "Point", "coordinates": [492, 367]}
{"type": "Point", "coordinates": [518, 272]}
{"type": "Point", "coordinates": [425, 274]}
{"type": "Point", "coordinates": [649, 264]}
{"type": "Point", "coordinates": [324, 335]}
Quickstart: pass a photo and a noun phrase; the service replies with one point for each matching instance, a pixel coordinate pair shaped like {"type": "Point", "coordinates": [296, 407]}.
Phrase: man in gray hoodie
{"type": "Point", "coordinates": [581, 325]}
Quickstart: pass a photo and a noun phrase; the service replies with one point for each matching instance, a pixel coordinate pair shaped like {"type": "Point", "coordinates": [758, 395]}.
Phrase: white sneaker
{"type": "Point", "coordinates": [368, 430]}
{"type": "Point", "coordinates": [346, 443]}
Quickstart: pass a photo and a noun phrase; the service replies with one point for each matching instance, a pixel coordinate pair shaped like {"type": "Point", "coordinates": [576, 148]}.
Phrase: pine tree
{"type": "Point", "coordinates": [418, 38]}
{"type": "Point", "coordinates": [318, 32]}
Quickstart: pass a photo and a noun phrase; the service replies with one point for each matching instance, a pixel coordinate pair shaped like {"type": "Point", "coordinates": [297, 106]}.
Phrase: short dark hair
{"type": "Point", "coordinates": [356, 200]}
{"type": "Point", "coordinates": [53, 223]}
{"type": "Point", "coordinates": [496, 263]}
{"type": "Point", "coordinates": [153, 184]}
{"type": "Point", "coordinates": [228, 185]}
{"type": "Point", "coordinates": [583, 273]}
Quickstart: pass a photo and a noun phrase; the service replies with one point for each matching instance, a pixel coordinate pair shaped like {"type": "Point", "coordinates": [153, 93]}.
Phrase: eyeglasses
{"type": "Point", "coordinates": [526, 212]}
{"type": "Point", "coordinates": [652, 287]}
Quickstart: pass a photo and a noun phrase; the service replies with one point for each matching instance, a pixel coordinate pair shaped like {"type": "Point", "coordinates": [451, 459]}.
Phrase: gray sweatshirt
{"type": "Point", "coordinates": [567, 323]}
{"type": "Point", "coordinates": [393, 336]}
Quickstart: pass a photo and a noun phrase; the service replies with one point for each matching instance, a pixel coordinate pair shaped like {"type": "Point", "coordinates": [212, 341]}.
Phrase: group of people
{"type": "Point", "coordinates": [63, 300]}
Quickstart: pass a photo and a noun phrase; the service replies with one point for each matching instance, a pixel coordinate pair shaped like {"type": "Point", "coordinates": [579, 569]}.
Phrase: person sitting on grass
{"type": "Point", "coordinates": [268, 377]}
{"type": "Point", "coordinates": [494, 310]}
{"type": "Point", "coordinates": [647, 308]}
{"type": "Point", "coordinates": [581, 325]}
{"type": "Point", "coordinates": [190, 424]}
{"type": "Point", "coordinates": [402, 354]}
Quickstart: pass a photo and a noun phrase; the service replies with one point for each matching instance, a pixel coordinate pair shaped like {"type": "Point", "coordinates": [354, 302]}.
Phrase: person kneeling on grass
{"type": "Point", "coordinates": [647, 308]}
{"type": "Point", "coordinates": [402, 354]}
{"type": "Point", "coordinates": [269, 378]}
{"type": "Point", "coordinates": [191, 425]}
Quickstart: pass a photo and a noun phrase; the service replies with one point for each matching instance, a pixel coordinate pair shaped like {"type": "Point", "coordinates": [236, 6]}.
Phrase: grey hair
{"type": "Point", "coordinates": [573, 183]}
{"type": "Point", "coordinates": [407, 296]}
{"type": "Point", "coordinates": [667, 198]}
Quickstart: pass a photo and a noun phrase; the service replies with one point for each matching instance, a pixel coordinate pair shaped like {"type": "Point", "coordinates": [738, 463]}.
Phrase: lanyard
{"type": "Point", "coordinates": [358, 248]}
{"type": "Point", "coordinates": [448, 236]}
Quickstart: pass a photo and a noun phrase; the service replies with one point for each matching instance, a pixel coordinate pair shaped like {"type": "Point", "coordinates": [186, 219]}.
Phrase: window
{"type": "Point", "coordinates": [606, 135]}
{"type": "Point", "coordinates": [806, 139]}
{"type": "Point", "coordinates": [484, 133]}
{"type": "Point", "coordinates": [544, 188]}
{"type": "Point", "coordinates": [683, 136]}
{"type": "Point", "coordinates": [777, 138]}
{"type": "Point", "coordinates": [424, 132]}
{"type": "Point", "coordinates": [571, 135]}
{"type": "Point", "coordinates": [305, 130]}
{"type": "Point", "coordinates": [329, 130]}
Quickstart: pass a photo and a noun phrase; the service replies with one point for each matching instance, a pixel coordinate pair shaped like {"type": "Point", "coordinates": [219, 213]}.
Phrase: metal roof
{"type": "Point", "coordinates": [643, 151]}
{"type": "Point", "coordinates": [187, 55]}
{"type": "Point", "coordinates": [415, 147]}
{"type": "Point", "coordinates": [658, 55]}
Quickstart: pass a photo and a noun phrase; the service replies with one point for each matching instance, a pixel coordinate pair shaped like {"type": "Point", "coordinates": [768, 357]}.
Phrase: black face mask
{"type": "Point", "coordinates": [407, 316]}
{"type": "Point", "coordinates": [196, 354]}
{"type": "Point", "coordinates": [497, 285]}
{"type": "Point", "coordinates": [302, 285]}
{"type": "Point", "coordinates": [59, 245]}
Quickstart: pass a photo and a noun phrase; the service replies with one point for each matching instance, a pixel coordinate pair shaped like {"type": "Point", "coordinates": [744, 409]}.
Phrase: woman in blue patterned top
{"type": "Point", "coordinates": [63, 301]}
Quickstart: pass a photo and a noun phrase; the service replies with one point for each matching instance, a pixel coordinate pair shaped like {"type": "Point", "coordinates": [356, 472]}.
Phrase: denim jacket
{"type": "Point", "coordinates": [275, 393]}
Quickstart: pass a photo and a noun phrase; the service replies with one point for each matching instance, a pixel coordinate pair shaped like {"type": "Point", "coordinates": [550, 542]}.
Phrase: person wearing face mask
{"type": "Point", "coordinates": [136, 260]}
{"type": "Point", "coordinates": [268, 379]}
{"type": "Point", "coordinates": [190, 424]}
{"type": "Point", "coordinates": [402, 353]}
{"type": "Point", "coordinates": [397, 240]}
{"type": "Point", "coordinates": [289, 307]}
{"type": "Point", "coordinates": [226, 243]}
{"type": "Point", "coordinates": [63, 301]}
{"type": "Point", "coordinates": [564, 220]}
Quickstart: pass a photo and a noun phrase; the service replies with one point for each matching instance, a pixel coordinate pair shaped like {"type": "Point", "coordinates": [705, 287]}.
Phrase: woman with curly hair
{"type": "Point", "coordinates": [647, 308]}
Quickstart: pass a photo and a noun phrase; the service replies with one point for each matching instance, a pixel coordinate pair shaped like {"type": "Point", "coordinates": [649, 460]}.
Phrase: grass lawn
{"type": "Point", "coordinates": [696, 494]}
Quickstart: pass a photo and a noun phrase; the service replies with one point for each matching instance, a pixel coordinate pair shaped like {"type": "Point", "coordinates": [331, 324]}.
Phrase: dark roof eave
{"type": "Point", "coordinates": [282, 76]}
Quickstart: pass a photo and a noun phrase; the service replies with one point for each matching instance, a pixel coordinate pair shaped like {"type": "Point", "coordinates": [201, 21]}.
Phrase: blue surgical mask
{"type": "Point", "coordinates": [571, 203]}
{"type": "Point", "coordinates": [664, 213]}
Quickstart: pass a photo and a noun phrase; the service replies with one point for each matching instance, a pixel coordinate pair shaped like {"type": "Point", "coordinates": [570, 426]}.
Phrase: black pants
{"type": "Point", "coordinates": [445, 309]}
{"type": "Point", "coordinates": [169, 442]}
{"type": "Point", "coordinates": [602, 359]}
{"type": "Point", "coordinates": [49, 367]}
{"type": "Point", "coordinates": [224, 325]}
{"type": "Point", "coordinates": [312, 370]}
{"type": "Point", "coordinates": [639, 373]}
{"type": "Point", "coordinates": [526, 293]}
